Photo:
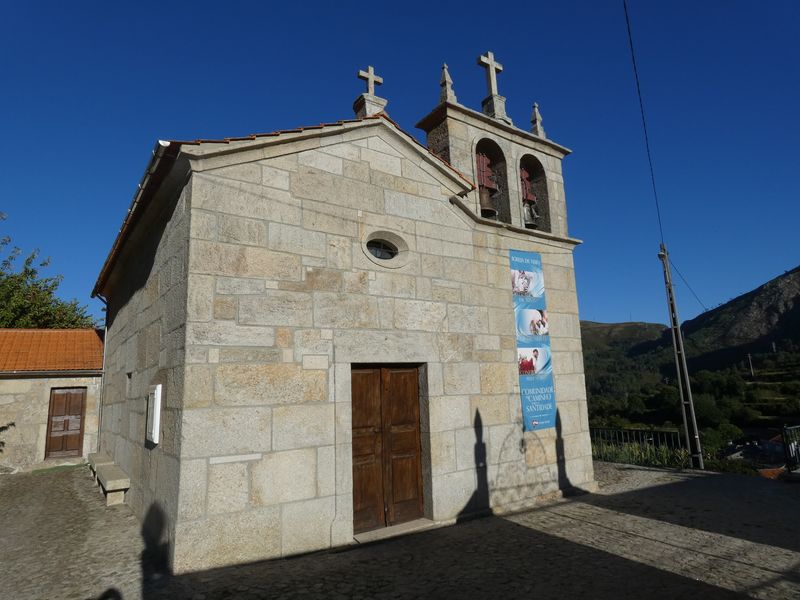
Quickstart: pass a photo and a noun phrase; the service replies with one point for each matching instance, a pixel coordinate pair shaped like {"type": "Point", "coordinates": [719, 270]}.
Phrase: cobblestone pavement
{"type": "Point", "coordinates": [647, 533]}
{"type": "Point", "coordinates": [59, 540]}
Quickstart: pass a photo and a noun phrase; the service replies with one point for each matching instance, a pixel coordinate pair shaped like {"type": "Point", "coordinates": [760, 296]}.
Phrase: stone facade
{"type": "Point", "coordinates": [145, 340]}
{"type": "Point", "coordinates": [259, 297]}
{"type": "Point", "coordinates": [454, 132]}
{"type": "Point", "coordinates": [25, 402]}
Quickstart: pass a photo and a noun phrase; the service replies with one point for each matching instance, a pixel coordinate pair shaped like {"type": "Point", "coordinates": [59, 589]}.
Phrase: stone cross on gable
{"type": "Point", "coordinates": [492, 69]}
{"type": "Point", "coordinates": [368, 104]}
{"type": "Point", "coordinates": [371, 79]}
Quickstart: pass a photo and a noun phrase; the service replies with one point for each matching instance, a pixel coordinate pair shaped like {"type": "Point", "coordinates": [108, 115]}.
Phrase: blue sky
{"type": "Point", "coordinates": [88, 87]}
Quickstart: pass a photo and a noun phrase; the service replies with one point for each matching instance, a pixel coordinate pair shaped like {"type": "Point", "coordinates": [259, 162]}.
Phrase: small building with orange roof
{"type": "Point", "coordinates": [50, 382]}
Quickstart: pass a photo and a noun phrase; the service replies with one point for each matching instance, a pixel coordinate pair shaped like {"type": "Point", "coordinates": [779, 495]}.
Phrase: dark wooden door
{"type": "Point", "coordinates": [387, 465]}
{"type": "Point", "coordinates": [65, 422]}
{"type": "Point", "coordinates": [367, 450]}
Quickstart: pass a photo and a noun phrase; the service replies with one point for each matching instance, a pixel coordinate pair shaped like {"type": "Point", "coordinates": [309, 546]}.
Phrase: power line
{"type": "Point", "coordinates": [647, 146]}
{"type": "Point", "coordinates": [681, 368]}
{"type": "Point", "coordinates": [644, 121]}
{"type": "Point", "coordinates": [696, 297]}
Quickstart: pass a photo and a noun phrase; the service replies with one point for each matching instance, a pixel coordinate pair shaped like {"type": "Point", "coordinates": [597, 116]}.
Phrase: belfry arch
{"type": "Point", "coordinates": [492, 181]}
{"type": "Point", "coordinates": [533, 194]}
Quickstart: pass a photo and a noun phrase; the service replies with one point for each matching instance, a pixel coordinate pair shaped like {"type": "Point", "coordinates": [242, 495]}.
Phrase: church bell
{"type": "Point", "coordinates": [488, 209]}
{"type": "Point", "coordinates": [529, 214]}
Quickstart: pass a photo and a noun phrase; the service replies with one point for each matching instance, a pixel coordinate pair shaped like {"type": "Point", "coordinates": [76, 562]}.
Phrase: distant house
{"type": "Point", "coordinates": [50, 381]}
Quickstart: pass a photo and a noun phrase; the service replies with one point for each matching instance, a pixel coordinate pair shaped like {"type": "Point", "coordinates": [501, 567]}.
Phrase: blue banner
{"type": "Point", "coordinates": [534, 358]}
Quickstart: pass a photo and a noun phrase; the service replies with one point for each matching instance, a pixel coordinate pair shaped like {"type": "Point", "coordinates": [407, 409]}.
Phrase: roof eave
{"type": "Point", "coordinates": [164, 155]}
{"type": "Point", "coordinates": [437, 115]}
{"type": "Point", "coordinates": [54, 373]}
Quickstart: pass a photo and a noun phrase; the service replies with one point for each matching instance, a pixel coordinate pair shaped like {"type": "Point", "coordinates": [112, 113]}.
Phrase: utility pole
{"type": "Point", "coordinates": [684, 386]}
{"type": "Point", "coordinates": [750, 360]}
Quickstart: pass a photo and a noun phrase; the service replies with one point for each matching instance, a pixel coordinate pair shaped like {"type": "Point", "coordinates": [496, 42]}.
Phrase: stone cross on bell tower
{"type": "Point", "coordinates": [492, 69]}
{"type": "Point", "coordinates": [368, 104]}
{"type": "Point", "coordinates": [494, 105]}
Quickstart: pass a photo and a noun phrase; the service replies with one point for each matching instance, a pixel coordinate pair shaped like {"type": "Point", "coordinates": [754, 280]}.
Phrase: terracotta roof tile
{"type": "Point", "coordinates": [51, 350]}
{"type": "Point", "coordinates": [254, 136]}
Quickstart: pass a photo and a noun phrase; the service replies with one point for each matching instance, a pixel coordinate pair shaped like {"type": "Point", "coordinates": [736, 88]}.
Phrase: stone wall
{"type": "Point", "coordinates": [26, 403]}
{"type": "Point", "coordinates": [145, 346]}
{"type": "Point", "coordinates": [283, 298]}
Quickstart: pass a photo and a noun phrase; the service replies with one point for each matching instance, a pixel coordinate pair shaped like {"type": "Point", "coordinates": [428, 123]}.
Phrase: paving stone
{"type": "Point", "coordinates": [647, 533]}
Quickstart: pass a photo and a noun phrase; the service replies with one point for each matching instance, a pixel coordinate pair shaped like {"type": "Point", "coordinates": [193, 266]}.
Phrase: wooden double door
{"type": "Point", "coordinates": [65, 422]}
{"type": "Point", "coordinates": [387, 457]}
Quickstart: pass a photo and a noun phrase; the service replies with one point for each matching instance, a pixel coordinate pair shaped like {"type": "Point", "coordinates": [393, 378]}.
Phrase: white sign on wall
{"type": "Point", "coordinates": [153, 413]}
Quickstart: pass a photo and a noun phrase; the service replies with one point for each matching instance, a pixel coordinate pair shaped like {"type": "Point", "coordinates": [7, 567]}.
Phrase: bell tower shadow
{"type": "Point", "coordinates": [478, 504]}
{"type": "Point", "coordinates": [564, 482]}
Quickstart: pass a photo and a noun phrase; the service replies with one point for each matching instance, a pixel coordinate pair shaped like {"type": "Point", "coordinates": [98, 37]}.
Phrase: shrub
{"type": "Point", "coordinates": [729, 466]}
{"type": "Point", "coordinates": [641, 454]}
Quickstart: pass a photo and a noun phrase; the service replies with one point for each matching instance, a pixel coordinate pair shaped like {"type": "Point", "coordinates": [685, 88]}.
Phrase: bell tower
{"type": "Point", "coordinates": [517, 173]}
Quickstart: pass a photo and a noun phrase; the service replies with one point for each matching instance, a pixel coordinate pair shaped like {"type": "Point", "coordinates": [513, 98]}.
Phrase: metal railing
{"type": "Point", "coordinates": [649, 437]}
{"type": "Point", "coordinates": [791, 446]}
{"type": "Point", "coordinates": [648, 447]}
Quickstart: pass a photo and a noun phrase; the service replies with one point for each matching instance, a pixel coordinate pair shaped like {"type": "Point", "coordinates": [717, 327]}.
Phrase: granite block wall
{"type": "Point", "coordinates": [282, 297]}
{"type": "Point", "coordinates": [145, 343]}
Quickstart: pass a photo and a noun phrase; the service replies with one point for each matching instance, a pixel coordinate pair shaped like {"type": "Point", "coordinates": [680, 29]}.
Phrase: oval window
{"type": "Point", "coordinates": [382, 249]}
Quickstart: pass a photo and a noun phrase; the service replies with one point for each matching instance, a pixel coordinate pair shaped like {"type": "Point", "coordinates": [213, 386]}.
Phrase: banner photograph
{"type": "Point", "coordinates": [533, 341]}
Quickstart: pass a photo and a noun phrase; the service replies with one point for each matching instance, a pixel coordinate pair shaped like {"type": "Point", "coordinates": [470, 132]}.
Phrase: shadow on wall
{"type": "Point", "coordinates": [139, 266]}
{"type": "Point", "coordinates": [478, 504]}
{"type": "Point", "coordinates": [3, 429]}
{"type": "Point", "coordinates": [564, 484]}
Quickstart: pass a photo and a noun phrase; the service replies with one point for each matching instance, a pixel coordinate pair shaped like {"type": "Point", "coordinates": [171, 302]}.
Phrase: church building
{"type": "Point", "coordinates": [327, 334]}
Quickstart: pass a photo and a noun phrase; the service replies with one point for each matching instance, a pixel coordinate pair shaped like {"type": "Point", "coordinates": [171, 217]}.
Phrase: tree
{"type": "Point", "coordinates": [706, 411]}
{"type": "Point", "coordinates": [28, 299]}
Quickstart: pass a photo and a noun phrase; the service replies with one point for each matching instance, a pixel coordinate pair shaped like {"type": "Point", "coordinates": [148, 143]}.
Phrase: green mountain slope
{"type": "Point", "coordinates": [749, 323]}
{"type": "Point", "coordinates": [630, 371]}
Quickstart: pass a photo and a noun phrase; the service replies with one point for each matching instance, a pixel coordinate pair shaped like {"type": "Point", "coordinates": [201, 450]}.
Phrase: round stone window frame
{"type": "Point", "coordinates": [397, 261]}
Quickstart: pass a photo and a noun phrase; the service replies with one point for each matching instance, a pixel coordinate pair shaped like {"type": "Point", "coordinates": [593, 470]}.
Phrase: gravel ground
{"type": "Point", "coordinates": [647, 532]}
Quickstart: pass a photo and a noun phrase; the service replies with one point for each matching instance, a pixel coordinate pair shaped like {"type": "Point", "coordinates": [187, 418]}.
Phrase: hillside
{"type": "Point", "coordinates": [630, 371]}
{"type": "Point", "coordinates": [749, 323]}
{"type": "Point", "coordinates": [619, 335]}
{"type": "Point", "coordinates": [718, 338]}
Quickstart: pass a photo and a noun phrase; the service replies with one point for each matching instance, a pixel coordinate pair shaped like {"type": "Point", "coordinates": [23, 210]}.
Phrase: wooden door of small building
{"type": "Point", "coordinates": [387, 457]}
{"type": "Point", "coordinates": [65, 422]}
